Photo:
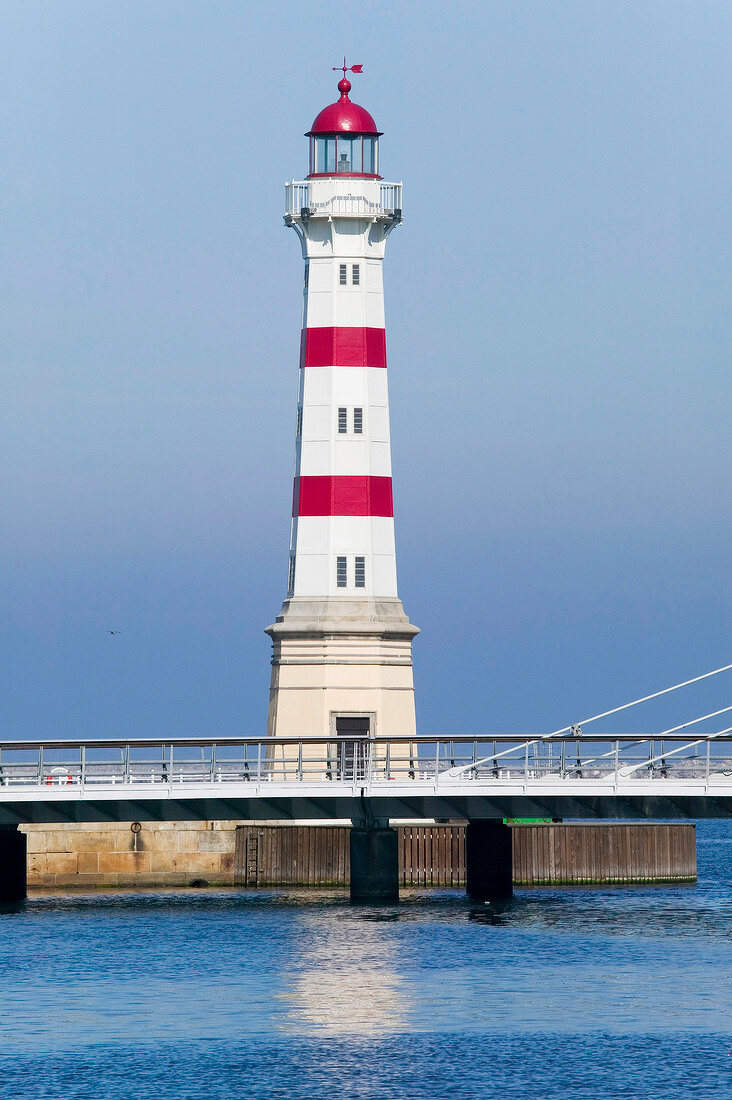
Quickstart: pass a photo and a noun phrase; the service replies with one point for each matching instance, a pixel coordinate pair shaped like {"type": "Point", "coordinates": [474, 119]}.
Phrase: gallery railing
{"type": "Point", "coordinates": [304, 200]}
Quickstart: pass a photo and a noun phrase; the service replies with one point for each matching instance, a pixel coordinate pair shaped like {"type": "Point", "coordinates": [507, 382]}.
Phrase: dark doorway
{"type": "Point", "coordinates": [351, 748]}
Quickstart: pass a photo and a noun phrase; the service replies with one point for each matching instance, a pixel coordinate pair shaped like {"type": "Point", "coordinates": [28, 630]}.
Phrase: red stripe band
{"type": "Point", "coordinates": [352, 495]}
{"type": "Point", "coordinates": [343, 347]}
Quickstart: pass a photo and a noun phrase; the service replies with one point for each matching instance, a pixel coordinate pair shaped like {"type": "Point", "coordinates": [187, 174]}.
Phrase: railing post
{"type": "Point", "coordinates": [213, 763]}
{"type": "Point", "coordinates": [526, 763]}
{"type": "Point", "coordinates": [388, 760]}
{"type": "Point", "coordinates": [299, 761]}
{"type": "Point", "coordinates": [617, 751]}
{"type": "Point", "coordinates": [437, 762]}
{"type": "Point", "coordinates": [706, 781]}
{"type": "Point", "coordinates": [40, 766]}
{"type": "Point", "coordinates": [259, 761]}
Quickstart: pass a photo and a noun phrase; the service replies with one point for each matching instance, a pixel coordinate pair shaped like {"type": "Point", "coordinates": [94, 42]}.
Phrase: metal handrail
{"type": "Point", "coordinates": [319, 739]}
{"type": "Point", "coordinates": [298, 198]}
{"type": "Point", "coordinates": [315, 759]}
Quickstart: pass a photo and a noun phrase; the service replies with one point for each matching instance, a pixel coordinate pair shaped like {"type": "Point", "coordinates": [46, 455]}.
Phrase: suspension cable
{"type": "Point", "coordinates": [628, 770]}
{"type": "Point", "coordinates": [575, 727]}
{"type": "Point", "coordinates": [693, 722]}
{"type": "Point", "coordinates": [645, 698]}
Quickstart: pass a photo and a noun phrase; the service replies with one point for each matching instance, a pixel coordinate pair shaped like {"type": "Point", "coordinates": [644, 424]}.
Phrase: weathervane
{"type": "Point", "coordinates": [346, 69]}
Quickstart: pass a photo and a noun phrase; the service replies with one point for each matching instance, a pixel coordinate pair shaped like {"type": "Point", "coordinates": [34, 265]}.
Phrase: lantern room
{"type": "Point", "coordinates": [344, 140]}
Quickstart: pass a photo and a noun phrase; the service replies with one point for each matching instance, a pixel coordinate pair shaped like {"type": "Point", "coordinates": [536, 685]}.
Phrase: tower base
{"type": "Point", "coordinates": [335, 660]}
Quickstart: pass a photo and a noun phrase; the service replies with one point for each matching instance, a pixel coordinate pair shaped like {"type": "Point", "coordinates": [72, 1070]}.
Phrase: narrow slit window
{"type": "Point", "coordinates": [356, 279]}
{"type": "Point", "coordinates": [343, 275]}
{"type": "Point", "coordinates": [341, 572]}
{"type": "Point", "coordinates": [360, 572]}
{"type": "Point", "coordinates": [299, 421]}
{"type": "Point", "coordinates": [358, 421]}
{"type": "Point", "coordinates": [291, 576]}
{"type": "Point", "coordinates": [342, 421]}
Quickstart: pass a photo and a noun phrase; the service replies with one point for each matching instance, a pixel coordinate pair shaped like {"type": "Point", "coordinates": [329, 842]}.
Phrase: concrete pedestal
{"type": "Point", "coordinates": [374, 864]}
{"type": "Point", "coordinates": [322, 648]}
{"type": "Point", "coordinates": [488, 860]}
{"type": "Point", "coordinates": [13, 849]}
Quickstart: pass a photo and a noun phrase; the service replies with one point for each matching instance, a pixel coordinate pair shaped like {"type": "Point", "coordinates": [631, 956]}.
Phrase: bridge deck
{"type": "Point", "coordinates": [410, 778]}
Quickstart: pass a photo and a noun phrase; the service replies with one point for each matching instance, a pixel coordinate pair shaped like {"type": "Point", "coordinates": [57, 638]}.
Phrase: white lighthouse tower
{"type": "Point", "coordinates": [342, 645]}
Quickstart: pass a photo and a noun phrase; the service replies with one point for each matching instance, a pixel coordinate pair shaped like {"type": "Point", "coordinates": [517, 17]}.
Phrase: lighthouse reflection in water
{"type": "Point", "coordinates": [346, 979]}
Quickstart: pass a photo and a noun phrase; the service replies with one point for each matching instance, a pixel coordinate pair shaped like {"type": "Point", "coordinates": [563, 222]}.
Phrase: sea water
{"type": "Point", "coordinates": [591, 993]}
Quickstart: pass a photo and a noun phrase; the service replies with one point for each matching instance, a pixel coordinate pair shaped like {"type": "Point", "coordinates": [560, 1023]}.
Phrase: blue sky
{"type": "Point", "coordinates": [558, 338]}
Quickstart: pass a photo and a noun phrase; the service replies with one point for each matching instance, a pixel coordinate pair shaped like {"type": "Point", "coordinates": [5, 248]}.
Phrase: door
{"type": "Point", "coordinates": [352, 731]}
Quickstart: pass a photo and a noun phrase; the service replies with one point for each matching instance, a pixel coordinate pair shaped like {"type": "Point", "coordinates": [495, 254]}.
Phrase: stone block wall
{"type": "Point", "coordinates": [160, 854]}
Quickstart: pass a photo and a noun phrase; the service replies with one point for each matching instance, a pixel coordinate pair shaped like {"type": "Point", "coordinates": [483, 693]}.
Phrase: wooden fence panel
{"type": "Point", "coordinates": [434, 855]}
{"type": "Point", "coordinates": [569, 854]}
{"type": "Point", "coordinates": [431, 855]}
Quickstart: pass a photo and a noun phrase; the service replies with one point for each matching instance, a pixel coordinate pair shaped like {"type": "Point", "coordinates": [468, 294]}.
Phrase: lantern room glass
{"type": "Point", "coordinates": [325, 155]}
{"type": "Point", "coordinates": [369, 156]}
{"type": "Point", "coordinates": [347, 154]}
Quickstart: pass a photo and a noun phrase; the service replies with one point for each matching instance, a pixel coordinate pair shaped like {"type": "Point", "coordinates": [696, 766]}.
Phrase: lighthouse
{"type": "Point", "coordinates": [342, 644]}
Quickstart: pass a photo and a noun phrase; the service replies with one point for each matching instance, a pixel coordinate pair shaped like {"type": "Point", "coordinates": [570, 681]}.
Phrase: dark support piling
{"type": "Point", "coordinates": [13, 848]}
{"type": "Point", "coordinates": [374, 864]}
{"type": "Point", "coordinates": [488, 860]}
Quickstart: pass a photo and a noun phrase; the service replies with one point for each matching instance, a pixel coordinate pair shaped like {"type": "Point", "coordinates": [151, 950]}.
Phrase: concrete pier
{"type": "Point", "coordinates": [13, 875]}
{"type": "Point", "coordinates": [374, 863]}
{"type": "Point", "coordinates": [264, 854]}
{"type": "Point", "coordinates": [488, 860]}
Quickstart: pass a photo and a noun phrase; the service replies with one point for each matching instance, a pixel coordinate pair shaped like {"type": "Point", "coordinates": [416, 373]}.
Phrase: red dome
{"type": "Point", "coordinates": [344, 117]}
